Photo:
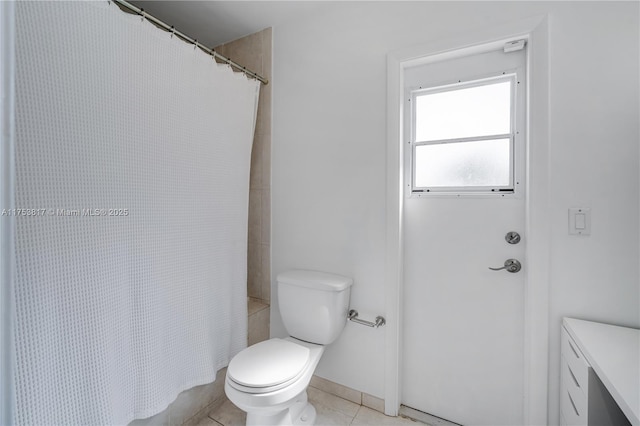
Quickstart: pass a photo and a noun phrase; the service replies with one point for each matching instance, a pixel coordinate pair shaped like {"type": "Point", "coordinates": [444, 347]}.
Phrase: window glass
{"type": "Point", "coordinates": [462, 164]}
{"type": "Point", "coordinates": [468, 112]}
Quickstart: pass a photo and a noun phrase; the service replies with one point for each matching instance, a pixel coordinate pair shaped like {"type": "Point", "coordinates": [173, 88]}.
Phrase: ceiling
{"type": "Point", "coordinates": [216, 22]}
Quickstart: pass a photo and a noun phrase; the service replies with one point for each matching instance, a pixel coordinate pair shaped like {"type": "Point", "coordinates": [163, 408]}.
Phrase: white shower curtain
{"type": "Point", "coordinates": [132, 162]}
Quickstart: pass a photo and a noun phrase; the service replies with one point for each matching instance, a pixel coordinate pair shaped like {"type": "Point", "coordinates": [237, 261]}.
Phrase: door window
{"type": "Point", "coordinates": [463, 136]}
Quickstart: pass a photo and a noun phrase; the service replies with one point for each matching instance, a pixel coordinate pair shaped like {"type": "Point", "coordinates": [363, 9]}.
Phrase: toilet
{"type": "Point", "coordinates": [269, 380]}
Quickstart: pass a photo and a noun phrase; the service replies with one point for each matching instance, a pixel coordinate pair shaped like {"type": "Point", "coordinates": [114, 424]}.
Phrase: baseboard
{"type": "Point", "coordinates": [344, 392]}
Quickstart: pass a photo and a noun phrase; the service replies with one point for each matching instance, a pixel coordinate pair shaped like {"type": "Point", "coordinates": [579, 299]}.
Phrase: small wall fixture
{"type": "Point", "coordinates": [353, 316]}
{"type": "Point", "coordinates": [512, 46]}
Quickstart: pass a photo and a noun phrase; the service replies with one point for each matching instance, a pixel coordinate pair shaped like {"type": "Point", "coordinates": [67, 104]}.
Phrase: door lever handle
{"type": "Point", "coordinates": [511, 265]}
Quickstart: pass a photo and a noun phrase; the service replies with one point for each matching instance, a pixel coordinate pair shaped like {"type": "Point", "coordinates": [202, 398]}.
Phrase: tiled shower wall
{"type": "Point", "coordinates": [254, 52]}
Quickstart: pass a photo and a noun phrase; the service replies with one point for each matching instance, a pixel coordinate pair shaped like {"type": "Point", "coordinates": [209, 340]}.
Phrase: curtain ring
{"type": "Point", "coordinates": [141, 15]}
{"type": "Point", "coordinates": [173, 31]}
{"type": "Point", "coordinates": [195, 44]}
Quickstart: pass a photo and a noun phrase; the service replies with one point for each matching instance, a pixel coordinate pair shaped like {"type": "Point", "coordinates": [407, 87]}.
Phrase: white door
{"type": "Point", "coordinates": [463, 357]}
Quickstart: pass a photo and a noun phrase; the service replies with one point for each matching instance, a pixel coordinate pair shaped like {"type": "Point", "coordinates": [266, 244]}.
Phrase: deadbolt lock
{"type": "Point", "coordinates": [512, 237]}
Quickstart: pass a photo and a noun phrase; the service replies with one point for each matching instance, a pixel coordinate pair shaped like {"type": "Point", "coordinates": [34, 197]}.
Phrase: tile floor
{"type": "Point", "coordinates": [332, 410]}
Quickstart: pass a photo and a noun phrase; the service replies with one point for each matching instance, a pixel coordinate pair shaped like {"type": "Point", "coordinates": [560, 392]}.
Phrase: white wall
{"type": "Point", "coordinates": [329, 164]}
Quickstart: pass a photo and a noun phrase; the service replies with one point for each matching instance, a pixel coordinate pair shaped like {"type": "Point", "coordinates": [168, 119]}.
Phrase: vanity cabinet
{"type": "Point", "coordinates": [574, 388]}
{"type": "Point", "coordinates": [600, 374]}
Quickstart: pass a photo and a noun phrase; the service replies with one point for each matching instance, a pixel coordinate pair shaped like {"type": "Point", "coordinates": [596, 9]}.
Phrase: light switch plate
{"type": "Point", "coordinates": [580, 221]}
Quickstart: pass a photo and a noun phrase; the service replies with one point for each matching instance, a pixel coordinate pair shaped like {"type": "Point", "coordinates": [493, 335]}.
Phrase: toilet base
{"type": "Point", "coordinates": [301, 413]}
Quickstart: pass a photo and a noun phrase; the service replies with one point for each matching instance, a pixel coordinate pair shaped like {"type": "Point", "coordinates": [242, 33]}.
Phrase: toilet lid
{"type": "Point", "coordinates": [268, 363]}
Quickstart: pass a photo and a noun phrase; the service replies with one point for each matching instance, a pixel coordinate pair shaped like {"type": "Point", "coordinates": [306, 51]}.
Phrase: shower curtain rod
{"type": "Point", "coordinates": [188, 39]}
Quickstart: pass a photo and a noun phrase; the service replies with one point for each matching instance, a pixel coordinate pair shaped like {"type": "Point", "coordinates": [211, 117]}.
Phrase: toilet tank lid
{"type": "Point", "coordinates": [315, 279]}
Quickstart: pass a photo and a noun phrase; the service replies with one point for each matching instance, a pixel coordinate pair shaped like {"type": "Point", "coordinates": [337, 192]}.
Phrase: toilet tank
{"type": "Point", "coordinates": [313, 305]}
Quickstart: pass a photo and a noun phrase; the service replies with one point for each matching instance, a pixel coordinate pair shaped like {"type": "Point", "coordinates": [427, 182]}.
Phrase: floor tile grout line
{"type": "Point", "coordinates": [357, 412]}
{"type": "Point", "coordinates": [217, 422]}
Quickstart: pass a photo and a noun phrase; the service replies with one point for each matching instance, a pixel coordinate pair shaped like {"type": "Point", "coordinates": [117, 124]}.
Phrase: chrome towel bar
{"type": "Point", "coordinates": [353, 316]}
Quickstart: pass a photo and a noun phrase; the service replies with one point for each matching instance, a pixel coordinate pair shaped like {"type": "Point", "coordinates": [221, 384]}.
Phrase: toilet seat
{"type": "Point", "coordinates": [268, 366]}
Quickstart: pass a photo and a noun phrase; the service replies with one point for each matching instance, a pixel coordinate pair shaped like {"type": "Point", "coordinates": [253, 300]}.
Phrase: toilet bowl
{"type": "Point", "coordinates": [289, 364]}
{"type": "Point", "coordinates": [268, 380]}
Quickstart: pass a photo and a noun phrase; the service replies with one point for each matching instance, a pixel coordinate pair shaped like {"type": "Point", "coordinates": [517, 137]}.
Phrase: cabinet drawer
{"type": "Point", "coordinates": [569, 409]}
{"type": "Point", "coordinates": [570, 381]}
{"type": "Point", "coordinates": [578, 364]}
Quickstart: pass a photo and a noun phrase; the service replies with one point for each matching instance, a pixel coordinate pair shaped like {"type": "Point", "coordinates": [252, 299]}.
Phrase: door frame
{"type": "Point", "coordinates": [537, 229]}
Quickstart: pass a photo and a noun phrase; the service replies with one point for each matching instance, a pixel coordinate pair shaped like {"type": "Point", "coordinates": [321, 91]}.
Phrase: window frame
{"type": "Point", "coordinates": [494, 78]}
